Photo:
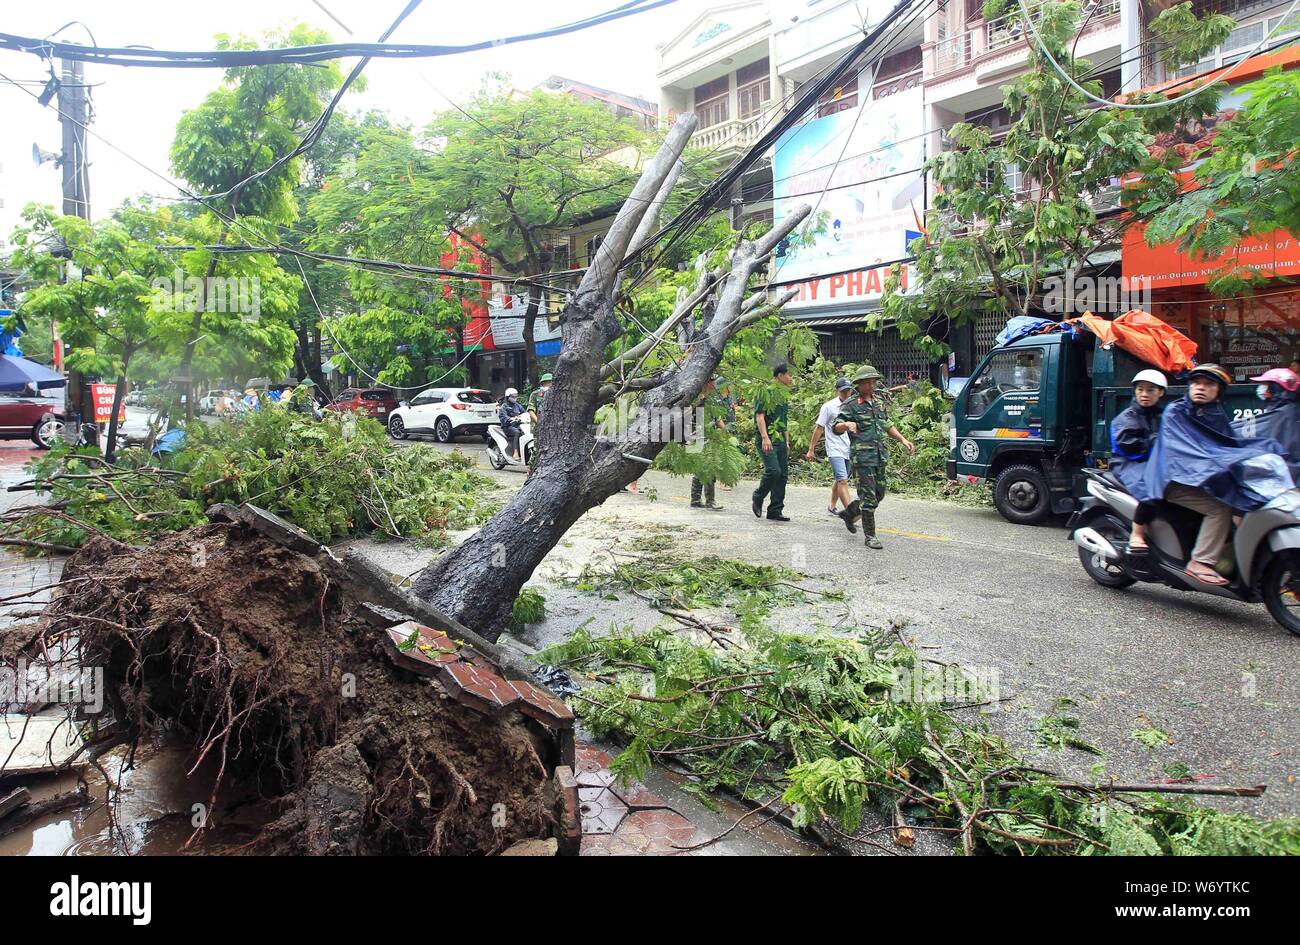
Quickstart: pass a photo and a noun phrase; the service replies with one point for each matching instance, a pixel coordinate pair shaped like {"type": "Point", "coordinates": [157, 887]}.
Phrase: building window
{"type": "Point", "coordinates": [593, 246]}
{"type": "Point", "coordinates": [753, 88]}
{"type": "Point", "coordinates": [711, 102]}
{"type": "Point", "coordinates": [839, 99]}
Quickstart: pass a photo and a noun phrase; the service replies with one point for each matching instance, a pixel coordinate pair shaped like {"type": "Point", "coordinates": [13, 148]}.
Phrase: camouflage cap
{"type": "Point", "coordinates": [866, 373]}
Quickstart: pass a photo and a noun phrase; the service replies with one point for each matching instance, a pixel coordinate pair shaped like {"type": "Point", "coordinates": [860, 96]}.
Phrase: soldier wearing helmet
{"type": "Point", "coordinates": [866, 422]}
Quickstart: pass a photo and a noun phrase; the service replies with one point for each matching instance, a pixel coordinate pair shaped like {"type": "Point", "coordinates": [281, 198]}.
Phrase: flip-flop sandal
{"type": "Point", "coordinates": [1213, 579]}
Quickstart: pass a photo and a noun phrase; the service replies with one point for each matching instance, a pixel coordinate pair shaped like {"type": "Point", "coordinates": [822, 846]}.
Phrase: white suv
{"type": "Point", "coordinates": [444, 412]}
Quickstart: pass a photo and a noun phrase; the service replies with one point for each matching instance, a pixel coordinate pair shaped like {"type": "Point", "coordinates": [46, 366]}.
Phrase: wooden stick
{"type": "Point", "coordinates": [1143, 788]}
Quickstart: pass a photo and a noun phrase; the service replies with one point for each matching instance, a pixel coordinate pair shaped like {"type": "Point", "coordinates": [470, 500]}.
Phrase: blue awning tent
{"type": "Point", "coordinates": [17, 373]}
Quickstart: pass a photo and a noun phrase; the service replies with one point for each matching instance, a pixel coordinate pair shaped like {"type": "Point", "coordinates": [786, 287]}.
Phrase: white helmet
{"type": "Point", "coordinates": [1151, 376]}
{"type": "Point", "coordinates": [511, 392]}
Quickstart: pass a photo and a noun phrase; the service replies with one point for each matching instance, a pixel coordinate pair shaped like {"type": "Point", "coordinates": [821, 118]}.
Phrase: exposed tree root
{"type": "Point", "coordinates": [269, 666]}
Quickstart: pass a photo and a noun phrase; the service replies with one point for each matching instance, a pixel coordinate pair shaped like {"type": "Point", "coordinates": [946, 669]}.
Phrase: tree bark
{"type": "Point", "coordinates": [577, 465]}
{"type": "Point", "coordinates": [110, 448]}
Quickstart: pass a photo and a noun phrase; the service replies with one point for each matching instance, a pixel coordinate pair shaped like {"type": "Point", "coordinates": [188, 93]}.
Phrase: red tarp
{"type": "Point", "coordinates": [1146, 337]}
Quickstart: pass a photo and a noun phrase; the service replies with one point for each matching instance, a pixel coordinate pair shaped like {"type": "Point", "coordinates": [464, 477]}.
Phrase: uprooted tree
{"type": "Point", "coordinates": [578, 465]}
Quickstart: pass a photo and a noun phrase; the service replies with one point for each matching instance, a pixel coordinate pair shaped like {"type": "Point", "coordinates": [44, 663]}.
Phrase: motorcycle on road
{"type": "Point", "coordinates": [498, 445]}
{"type": "Point", "coordinates": [1261, 560]}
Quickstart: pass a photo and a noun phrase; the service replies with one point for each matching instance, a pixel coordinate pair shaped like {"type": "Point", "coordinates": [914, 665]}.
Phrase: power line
{"type": "Point", "coordinates": [1146, 106]}
{"type": "Point", "coordinates": [232, 58]}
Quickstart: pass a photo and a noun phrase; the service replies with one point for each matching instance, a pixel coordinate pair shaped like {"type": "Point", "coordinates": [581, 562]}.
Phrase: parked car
{"type": "Point", "coordinates": [376, 402]}
{"type": "Point", "coordinates": [37, 418]}
{"type": "Point", "coordinates": [208, 402]}
{"type": "Point", "coordinates": [444, 412]}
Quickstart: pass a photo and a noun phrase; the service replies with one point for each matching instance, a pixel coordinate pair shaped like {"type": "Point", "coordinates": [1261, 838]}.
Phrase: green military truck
{"type": "Point", "coordinates": [1038, 410]}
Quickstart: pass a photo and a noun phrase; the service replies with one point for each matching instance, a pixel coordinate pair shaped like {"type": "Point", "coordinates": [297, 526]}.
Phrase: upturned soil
{"type": "Point", "coordinates": [261, 660]}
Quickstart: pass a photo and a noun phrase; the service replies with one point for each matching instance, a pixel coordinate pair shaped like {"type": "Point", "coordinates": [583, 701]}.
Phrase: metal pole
{"type": "Point", "coordinates": [74, 117]}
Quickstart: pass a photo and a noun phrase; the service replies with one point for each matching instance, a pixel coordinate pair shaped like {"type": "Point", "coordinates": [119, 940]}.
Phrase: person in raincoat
{"type": "Point", "coordinates": [1132, 434]}
{"type": "Point", "coordinates": [1281, 416]}
{"type": "Point", "coordinates": [1199, 462]}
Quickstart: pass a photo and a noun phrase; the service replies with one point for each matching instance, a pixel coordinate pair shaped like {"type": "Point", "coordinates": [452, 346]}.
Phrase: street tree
{"type": "Point", "coordinates": [1246, 184]}
{"type": "Point", "coordinates": [510, 170]}
{"type": "Point", "coordinates": [579, 465]}
{"type": "Point", "coordinates": [96, 282]}
{"type": "Point", "coordinates": [376, 205]}
{"type": "Point", "coordinates": [1009, 212]}
{"type": "Point", "coordinates": [258, 114]}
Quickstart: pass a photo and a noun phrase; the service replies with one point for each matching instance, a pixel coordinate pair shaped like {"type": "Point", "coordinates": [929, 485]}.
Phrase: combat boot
{"type": "Point", "coordinates": [850, 516]}
{"type": "Point", "coordinates": [869, 529]}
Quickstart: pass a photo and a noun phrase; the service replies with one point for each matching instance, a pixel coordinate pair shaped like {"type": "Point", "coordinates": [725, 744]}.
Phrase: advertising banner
{"type": "Point", "coordinates": [507, 316]}
{"type": "Point", "coordinates": [860, 170]}
{"type": "Point", "coordinates": [103, 397]}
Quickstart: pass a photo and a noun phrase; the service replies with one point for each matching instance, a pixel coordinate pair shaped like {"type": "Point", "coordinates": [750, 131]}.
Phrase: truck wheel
{"type": "Point", "coordinates": [1022, 496]}
{"type": "Point", "coordinates": [1281, 589]}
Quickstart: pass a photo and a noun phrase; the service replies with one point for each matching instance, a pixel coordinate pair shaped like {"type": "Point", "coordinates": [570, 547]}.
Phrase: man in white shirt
{"type": "Point", "coordinates": [837, 445]}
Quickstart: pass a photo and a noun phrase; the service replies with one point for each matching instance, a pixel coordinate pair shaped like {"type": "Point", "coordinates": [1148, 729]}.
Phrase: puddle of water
{"type": "Point", "coordinates": [154, 813]}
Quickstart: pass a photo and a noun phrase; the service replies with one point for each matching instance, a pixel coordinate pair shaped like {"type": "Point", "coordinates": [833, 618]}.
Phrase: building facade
{"type": "Point", "coordinates": [741, 65]}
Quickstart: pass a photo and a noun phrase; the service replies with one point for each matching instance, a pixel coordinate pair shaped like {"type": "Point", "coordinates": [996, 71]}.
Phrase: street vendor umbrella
{"type": "Point", "coordinates": [17, 373]}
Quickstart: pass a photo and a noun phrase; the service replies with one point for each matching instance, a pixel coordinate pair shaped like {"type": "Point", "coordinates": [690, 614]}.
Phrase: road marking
{"type": "Point", "coordinates": [904, 534]}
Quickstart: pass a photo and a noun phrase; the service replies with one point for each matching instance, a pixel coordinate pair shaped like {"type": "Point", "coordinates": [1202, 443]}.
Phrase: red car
{"type": "Point", "coordinates": [373, 402]}
{"type": "Point", "coordinates": [35, 418]}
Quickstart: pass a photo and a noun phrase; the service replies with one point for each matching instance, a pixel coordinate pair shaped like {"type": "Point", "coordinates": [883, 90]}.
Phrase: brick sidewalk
{"type": "Point", "coordinates": [20, 574]}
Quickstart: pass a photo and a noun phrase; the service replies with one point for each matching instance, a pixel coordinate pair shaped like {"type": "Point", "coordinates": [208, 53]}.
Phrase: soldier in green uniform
{"type": "Point", "coordinates": [866, 422]}
{"type": "Point", "coordinates": [536, 399]}
{"type": "Point", "coordinates": [772, 438]}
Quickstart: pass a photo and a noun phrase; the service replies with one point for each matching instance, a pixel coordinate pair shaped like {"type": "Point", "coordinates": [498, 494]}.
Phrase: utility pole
{"type": "Point", "coordinates": [74, 116]}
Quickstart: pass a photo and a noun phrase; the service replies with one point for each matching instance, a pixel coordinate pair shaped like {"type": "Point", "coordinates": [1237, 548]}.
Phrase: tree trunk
{"type": "Point", "coordinates": [530, 346]}
{"type": "Point", "coordinates": [578, 466]}
{"type": "Point", "coordinates": [110, 448]}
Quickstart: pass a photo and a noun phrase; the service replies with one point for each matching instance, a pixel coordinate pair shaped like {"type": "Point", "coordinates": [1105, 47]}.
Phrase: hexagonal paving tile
{"type": "Point", "coordinates": [601, 810]}
{"type": "Point", "coordinates": [655, 832]}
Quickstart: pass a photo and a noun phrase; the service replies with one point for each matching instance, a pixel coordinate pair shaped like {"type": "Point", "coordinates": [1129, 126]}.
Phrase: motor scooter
{"type": "Point", "coordinates": [1261, 561]}
{"type": "Point", "coordinates": [498, 445]}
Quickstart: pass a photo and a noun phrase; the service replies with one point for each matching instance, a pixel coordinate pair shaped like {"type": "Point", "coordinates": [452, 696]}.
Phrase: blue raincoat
{"type": "Point", "coordinates": [1132, 434]}
{"type": "Point", "coordinates": [1197, 447]}
{"type": "Point", "coordinates": [1281, 422]}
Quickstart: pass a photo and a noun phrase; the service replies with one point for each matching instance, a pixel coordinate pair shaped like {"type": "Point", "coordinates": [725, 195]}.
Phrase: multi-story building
{"type": "Point", "coordinates": [741, 65]}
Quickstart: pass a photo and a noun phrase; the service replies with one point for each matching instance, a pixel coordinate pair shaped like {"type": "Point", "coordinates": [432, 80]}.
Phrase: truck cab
{"type": "Point", "coordinates": [1037, 410]}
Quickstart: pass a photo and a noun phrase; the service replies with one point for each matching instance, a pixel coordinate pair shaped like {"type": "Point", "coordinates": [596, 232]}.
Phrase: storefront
{"type": "Point", "coordinates": [1247, 332]}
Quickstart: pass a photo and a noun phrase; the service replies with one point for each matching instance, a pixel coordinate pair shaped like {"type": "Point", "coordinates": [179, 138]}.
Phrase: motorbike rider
{"type": "Point", "coordinates": [508, 417]}
{"type": "Point", "coordinates": [1199, 463]}
{"type": "Point", "coordinates": [1132, 434]}
{"type": "Point", "coordinates": [1281, 416]}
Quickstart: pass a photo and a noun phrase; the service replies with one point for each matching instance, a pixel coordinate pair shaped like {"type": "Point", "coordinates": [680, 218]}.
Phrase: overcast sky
{"type": "Point", "coordinates": [136, 109]}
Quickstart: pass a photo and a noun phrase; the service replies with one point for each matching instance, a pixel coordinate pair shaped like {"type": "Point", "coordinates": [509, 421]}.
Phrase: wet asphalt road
{"type": "Point", "coordinates": [1219, 677]}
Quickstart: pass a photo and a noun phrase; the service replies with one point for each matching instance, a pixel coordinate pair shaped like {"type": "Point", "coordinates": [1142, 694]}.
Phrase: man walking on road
{"type": "Point", "coordinates": [866, 422]}
{"type": "Point", "coordinates": [703, 494]}
{"type": "Point", "coordinates": [837, 446]}
{"type": "Point", "coordinates": [773, 440]}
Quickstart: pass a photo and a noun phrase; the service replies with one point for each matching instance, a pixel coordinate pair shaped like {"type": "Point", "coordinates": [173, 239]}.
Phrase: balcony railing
{"type": "Point", "coordinates": [736, 134]}
{"type": "Point", "coordinates": [954, 52]}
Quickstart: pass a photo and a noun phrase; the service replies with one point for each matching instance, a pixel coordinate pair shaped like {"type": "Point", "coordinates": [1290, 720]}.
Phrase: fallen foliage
{"type": "Point", "coordinates": [333, 478]}
{"type": "Point", "coordinates": [834, 722]}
